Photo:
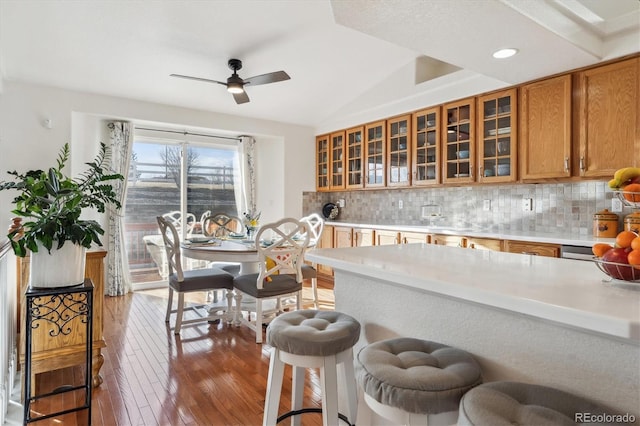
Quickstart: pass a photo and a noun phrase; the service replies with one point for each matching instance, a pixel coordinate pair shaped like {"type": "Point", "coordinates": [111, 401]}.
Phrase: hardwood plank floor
{"type": "Point", "coordinates": [212, 374]}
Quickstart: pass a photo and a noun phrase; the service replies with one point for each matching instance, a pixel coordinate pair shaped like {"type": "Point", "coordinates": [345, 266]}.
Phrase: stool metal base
{"type": "Point", "coordinates": [311, 410]}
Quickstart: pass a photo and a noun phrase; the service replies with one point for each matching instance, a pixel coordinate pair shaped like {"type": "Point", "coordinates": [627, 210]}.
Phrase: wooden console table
{"type": "Point", "coordinates": [50, 354]}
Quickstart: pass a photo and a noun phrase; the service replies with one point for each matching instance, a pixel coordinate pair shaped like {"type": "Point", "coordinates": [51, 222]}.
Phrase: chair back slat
{"type": "Point", "coordinates": [221, 225]}
{"type": "Point", "coordinates": [289, 239]}
{"type": "Point", "coordinates": [172, 246]}
{"type": "Point", "coordinates": [315, 223]}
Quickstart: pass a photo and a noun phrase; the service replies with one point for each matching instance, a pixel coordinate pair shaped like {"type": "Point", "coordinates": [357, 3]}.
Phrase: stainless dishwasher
{"type": "Point", "coordinates": [576, 252]}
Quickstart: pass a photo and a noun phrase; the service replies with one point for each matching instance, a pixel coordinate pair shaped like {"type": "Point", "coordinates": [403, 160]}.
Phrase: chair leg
{"type": "Point", "coordinates": [179, 313]}
{"type": "Point", "coordinates": [297, 392]}
{"type": "Point", "coordinates": [274, 388]}
{"type": "Point", "coordinates": [314, 289]}
{"type": "Point", "coordinates": [237, 313]}
{"type": "Point", "coordinates": [348, 374]}
{"type": "Point", "coordinates": [258, 321]}
{"type": "Point", "coordinates": [169, 305]}
{"type": "Point", "coordinates": [299, 300]}
{"type": "Point", "coordinates": [329, 385]}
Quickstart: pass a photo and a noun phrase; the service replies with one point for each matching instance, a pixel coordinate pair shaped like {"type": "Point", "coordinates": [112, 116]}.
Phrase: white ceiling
{"type": "Point", "coordinates": [345, 57]}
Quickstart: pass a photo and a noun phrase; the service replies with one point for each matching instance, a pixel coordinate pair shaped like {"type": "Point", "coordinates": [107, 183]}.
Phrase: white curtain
{"type": "Point", "coordinates": [245, 180]}
{"type": "Point", "coordinates": [118, 279]}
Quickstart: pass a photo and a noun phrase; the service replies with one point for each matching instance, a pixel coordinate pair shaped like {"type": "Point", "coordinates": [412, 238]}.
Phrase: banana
{"type": "Point", "coordinates": [622, 176]}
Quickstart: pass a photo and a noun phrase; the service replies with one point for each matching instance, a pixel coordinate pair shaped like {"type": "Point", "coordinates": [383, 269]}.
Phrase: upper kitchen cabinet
{"type": "Point", "coordinates": [399, 151]}
{"type": "Point", "coordinates": [425, 155]}
{"type": "Point", "coordinates": [374, 154]}
{"type": "Point", "coordinates": [458, 141]}
{"type": "Point", "coordinates": [322, 163]}
{"type": "Point", "coordinates": [497, 135]}
{"type": "Point", "coordinates": [354, 158]}
{"type": "Point", "coordinates": [608, 104]}
{"type": "Point", "coordinates": [545, 129]}
{"type": "Point", "coordinates": [337, 147]}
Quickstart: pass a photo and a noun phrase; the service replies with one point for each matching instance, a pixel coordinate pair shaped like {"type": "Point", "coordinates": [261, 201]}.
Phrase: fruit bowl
{"type": "Point", "coordinates": [628, 198]}
{"type": "Point", "coordinates": [619, 271]}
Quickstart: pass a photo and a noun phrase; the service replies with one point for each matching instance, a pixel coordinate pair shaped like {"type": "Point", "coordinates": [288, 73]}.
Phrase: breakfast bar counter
{"type": "Point", "coordinates": [528, 318]}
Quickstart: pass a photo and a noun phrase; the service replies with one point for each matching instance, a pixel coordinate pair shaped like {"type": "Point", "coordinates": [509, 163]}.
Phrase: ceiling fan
{"type": "Point", "coordinates": [235, 84]}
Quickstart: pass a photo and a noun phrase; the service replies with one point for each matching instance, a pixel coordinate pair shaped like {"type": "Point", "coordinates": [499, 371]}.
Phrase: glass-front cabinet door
{"type": "Point", "coordinates": [336, 177]}
{"type": "Point", "coordinates": [322, 163]}
{"type": "Point", "coordinates": [374, 154]}
{"type": "Point", "coordinates": [354, 158]}
{"type": "Point", "coordinates": [399, 151]}
{"type": "Point", "coordinates": [458, 141]}
{"type": "Point", "coordinates": [497, 130]}
{"type": "Point", "coordinates": [425, 156]}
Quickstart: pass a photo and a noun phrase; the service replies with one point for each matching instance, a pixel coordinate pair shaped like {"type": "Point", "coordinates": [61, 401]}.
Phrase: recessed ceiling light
{"type": "Point", "coordinates": [504, 53]}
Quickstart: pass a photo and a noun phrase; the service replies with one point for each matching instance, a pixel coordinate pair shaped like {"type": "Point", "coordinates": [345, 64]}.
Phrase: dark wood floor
{"type": "Point", "coordinates": [212, 374]}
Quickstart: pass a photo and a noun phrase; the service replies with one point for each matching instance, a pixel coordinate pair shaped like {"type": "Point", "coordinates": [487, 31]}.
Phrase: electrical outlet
{"type": "Point", "coordinates": [400, 204]}
{"type": "Point", "coordinates": [616, 205]}
{"type": "Point", "coordinates": [341, 203]}
{"type": "Point", "coordinates": [486, 205]}
{"type": "Point", "coordinates": [527, 204]}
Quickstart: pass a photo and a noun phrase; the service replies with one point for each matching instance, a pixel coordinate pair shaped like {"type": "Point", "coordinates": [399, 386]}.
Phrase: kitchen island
{"type": "Point", "coordinates": [527, 318]}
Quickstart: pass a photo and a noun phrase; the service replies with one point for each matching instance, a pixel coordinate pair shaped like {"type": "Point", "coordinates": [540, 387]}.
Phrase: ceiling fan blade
{"type": "Point", "coordinates": [272, 77]}
{"type": "Point", "coordinates": [188, 77]}
{"type": "Point", "coordinates": [241, 98]}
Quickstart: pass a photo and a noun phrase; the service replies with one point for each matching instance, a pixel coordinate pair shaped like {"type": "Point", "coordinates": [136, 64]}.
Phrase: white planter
{"type": "Point", "coordinates": [61, 268]}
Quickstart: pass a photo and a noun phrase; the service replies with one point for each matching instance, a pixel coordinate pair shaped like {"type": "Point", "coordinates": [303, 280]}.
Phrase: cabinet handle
{"type": "Point", "coordinates": [470, 170]}
{"type": "Point", "coordinates": [566, 164]}
{"type": "Point", "coordinates": [480, 172]}
{"type": "Point", "coordinates": [582, 164]}
{"type": "Point", "coordinates": [532, 253]}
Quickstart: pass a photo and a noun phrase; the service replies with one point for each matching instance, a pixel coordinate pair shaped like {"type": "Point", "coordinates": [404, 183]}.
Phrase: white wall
{"type": "Point", "coordinates": [77, 118]}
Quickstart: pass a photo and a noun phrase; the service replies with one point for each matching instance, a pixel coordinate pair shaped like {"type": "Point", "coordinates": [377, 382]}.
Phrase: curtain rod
{"type": "Point", "coordinates": [184, 132]}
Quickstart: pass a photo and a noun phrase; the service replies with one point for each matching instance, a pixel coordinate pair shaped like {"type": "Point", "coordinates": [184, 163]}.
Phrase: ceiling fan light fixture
{"type": "Point", "coordinates": [505, 53]}
{"type": "Point", "coordinates": [235, 88]}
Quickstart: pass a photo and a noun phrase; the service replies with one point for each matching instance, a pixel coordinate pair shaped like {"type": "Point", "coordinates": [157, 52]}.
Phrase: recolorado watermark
{"type": "Point", "coordinates": [603, 418]}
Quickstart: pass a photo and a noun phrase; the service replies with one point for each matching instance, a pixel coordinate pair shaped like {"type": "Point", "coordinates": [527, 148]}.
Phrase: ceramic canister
{"type": "Point", "coordinates": [605, 224]}
{"type": "Point", "coordinates": [632, 222]}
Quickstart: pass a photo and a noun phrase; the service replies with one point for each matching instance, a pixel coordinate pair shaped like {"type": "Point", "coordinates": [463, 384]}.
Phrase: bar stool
{"type": "Point", "coordinates": [509, 403]}
{"type": "Point", "coordinates": [312, 339]}
{"type": "Point", "coordinates": [407, 380]}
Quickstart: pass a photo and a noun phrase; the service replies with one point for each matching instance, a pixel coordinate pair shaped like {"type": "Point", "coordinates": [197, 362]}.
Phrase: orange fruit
{"type": "Point", "coordinates": [632, 187]}
{"type": "Point", "coordinates": [600, 249]}
{"type": "Point", "coordinates": [635, 243]}
{"type": "Point", "coordinates": [633, 257]}
{"type": "Point", "coordinates": [624, 239]}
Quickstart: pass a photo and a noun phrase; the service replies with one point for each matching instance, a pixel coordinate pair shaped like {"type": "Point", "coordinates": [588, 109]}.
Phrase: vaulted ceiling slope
{"type": "Point", "coordinates": [349, 60]}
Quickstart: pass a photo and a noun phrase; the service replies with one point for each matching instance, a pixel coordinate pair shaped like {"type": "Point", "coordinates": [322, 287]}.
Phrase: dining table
{"type": "Point", "coordinates": [242, 251]}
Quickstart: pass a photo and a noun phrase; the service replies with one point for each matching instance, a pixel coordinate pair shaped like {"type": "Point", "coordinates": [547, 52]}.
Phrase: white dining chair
{"type": "Point", "coordinates": [279, 278]}
{"type": "Point", "coordinates": [315, 225]}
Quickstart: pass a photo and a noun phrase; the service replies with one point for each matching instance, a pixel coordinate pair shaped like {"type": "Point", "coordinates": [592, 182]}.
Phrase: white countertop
{"type": "Point", "coordinates": [569, 292]}
{"type": "Point", "coordinates": [532, 236]}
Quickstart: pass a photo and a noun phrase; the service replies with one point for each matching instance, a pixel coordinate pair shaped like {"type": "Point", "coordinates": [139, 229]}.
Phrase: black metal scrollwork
{"type": "Point", "coordinates": [59, 310]}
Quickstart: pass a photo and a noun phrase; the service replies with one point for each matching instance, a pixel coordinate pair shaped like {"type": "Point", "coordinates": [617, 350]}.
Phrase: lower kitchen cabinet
{"type": "Point", "coordinates": [363, 237]}
{"type": "Point", "coordinates": [538, 249]}
{"type": "Point", "coordinates": [342, 236]}
{"type": "Point", "coordinates": [483, 244]}
{"type": "Point", "coordinates": [326, 241]}
{"type": "Point", "coordinates": [414, 237]}
{"type": "Point", "coordinates": [386, 237]}
{"type": "Point", "coordinates": [448, 240]}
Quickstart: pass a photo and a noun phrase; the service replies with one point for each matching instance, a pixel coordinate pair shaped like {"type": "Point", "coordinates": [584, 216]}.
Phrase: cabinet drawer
{"type": "Point", "coordinates": [549, 250]}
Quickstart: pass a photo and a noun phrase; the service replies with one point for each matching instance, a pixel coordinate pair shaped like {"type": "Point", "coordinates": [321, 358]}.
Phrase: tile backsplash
{"type": "Point", "coordinates": [568, 207]}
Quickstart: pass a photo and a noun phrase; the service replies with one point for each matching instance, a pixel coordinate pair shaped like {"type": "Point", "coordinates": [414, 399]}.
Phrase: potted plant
{"type": "Point", "coordinates": [50, 203]}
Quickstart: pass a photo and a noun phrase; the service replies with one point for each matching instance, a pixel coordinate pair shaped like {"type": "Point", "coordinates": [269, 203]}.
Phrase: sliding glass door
{"type": "Point", "coordinates": [183, 180]}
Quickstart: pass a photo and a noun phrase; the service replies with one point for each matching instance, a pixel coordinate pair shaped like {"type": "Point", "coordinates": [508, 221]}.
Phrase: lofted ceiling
{"type": "Point", "coordinates": [346, 58]}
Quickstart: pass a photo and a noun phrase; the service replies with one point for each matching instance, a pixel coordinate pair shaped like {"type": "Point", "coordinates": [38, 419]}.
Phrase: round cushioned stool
{"type": "Point", "coordinates": [312, 339]}
{"type": "Point", "coordinates": [407, 380]}
{"type": "Point", "coordinates": [509, 403]}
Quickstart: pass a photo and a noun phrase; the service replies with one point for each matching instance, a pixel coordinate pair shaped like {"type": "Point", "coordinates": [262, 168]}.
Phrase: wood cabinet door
{"type": "Point", "coordinates": [545, 129]}
{"type": "Point", "coordinates": [342, 237]}
{"type": "Point", "coordinates": [385, 237]}
{"type": "Point", "coordinates": [336, 175]}
{"type": "Point", "coordinates": [375, 164]}
{"type": "Point", "coordinates": [497, 137]}
{"type": "Point", "coordinates": [322, 163]}
{"type": "Point", "coordinates": [448, 240]}
{"type": "Point", "coordinates": [362, 237]}
{"type": "Point", "coordinates": [608, 122]}
{"type": "Point", "coordinates": [326, 241]}
{"type": "Point", "coordinates": [483, 244]}
{"type": "Point", "coordinates": [399, 151]}
{"type": "Point", "coordinates": [414, 237]}
{"type": "Point", "coordinates": [537, 249]}
{"type": "Point", "coordinates": [458, 141]}
{"type": "Point", "coordinates": [354, 155]}
{"type": "Point", "coordinates": [425, 152]}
